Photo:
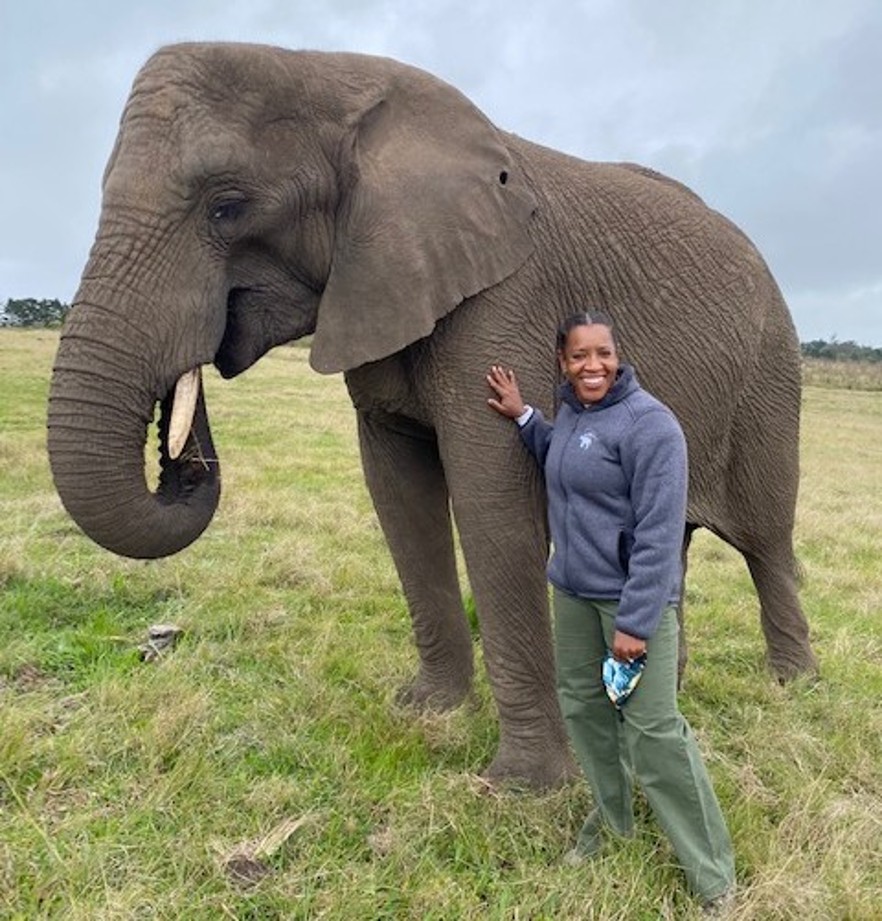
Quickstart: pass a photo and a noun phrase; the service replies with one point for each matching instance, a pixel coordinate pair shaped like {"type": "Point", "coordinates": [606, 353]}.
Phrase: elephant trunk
{"type": "Point", "coordinates": [101, 405]}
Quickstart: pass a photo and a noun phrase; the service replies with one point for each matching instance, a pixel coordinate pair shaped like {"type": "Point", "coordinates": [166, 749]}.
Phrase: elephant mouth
{"type": "Point", "coordinates": [187, 457]}
{"type": "Point", "coordinates": [187, 454]}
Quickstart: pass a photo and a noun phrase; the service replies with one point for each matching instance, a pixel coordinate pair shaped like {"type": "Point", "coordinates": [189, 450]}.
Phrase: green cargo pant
{"type": "Point", "coordinates": [649, 736]}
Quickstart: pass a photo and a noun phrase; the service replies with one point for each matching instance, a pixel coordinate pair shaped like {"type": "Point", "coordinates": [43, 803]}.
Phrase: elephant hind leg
{"type": "Point", "coordinates": [682, 644]}
{"type": "Point", "coordinates": [760, 504]}
{"type": "Point", "coordinates": [763, 535]}
{"type": "Point", "coordinates": [784, 625]}
{"type": "Point", "coordinates": [406, 481]}
{"type": "Point", "coordinates": [775, 576]}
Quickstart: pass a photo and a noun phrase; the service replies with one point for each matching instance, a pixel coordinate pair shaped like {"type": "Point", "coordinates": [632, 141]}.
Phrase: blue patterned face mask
{"type": "Point", "coordinates": [620, 678]}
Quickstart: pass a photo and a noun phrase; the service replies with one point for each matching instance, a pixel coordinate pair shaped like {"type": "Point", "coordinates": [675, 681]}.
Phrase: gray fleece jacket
{"type": "Point", "coordinates": [616, 476]}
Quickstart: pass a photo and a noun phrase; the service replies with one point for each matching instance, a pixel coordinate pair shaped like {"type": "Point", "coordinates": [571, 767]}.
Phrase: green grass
{"type": "Point", "coordinates": [126, 787]}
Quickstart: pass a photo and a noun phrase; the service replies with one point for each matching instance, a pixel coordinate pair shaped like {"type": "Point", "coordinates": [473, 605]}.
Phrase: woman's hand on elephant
{"type": "Point", "coordinates": [627, 647]}
{"type": "Point", "coordinates": [508, 395]}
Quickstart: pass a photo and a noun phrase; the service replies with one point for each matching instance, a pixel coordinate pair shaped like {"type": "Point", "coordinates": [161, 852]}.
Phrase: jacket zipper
{"type": "Point", "coordinates": [566, 494]}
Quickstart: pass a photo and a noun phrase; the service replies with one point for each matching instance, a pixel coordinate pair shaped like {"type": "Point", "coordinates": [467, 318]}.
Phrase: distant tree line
{"type": "Point", "coordinates": [834, 350]}
{"type": "Point", "coordinates": [32, 312]}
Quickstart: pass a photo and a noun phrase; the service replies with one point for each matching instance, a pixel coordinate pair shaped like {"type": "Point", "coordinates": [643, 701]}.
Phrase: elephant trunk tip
{"type": "Point", "coordinates": [96, 452]}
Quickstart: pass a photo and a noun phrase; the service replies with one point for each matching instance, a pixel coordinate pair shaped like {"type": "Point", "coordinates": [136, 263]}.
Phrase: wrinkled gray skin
{"type": "Point", "coordinates": [255, 196]}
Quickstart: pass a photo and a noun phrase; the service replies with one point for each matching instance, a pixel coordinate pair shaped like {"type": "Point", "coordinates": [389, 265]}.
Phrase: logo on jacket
{"type": "Point", "coordinates": [586, 439]}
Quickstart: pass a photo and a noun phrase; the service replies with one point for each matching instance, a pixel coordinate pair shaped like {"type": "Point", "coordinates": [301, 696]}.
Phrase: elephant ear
{"type": "Point", "coordinates": [433, 210]}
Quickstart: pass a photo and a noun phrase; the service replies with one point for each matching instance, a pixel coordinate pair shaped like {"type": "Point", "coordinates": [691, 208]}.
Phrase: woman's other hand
{"type": "Point", "coordinates": [626, 648]}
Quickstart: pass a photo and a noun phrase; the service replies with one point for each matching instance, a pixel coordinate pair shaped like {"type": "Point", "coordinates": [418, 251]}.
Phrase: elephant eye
{"type": "Point", "coordinates": [227, 210]}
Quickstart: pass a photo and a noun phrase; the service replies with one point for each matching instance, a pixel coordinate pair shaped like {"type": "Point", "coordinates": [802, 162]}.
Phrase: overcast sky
{"type": "Point", "coordinates": [770, 109]}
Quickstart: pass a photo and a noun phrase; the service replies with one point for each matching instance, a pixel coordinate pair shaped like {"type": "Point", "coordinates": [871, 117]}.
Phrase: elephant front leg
{"type": "Point", "coordinates": [500, 515]}
{"type": "Point", "coordinates": [406, 482]}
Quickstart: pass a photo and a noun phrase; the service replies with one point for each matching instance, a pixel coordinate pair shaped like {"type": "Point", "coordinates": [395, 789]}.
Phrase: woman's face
{"type": "Point", "coordinates": [589, 361]}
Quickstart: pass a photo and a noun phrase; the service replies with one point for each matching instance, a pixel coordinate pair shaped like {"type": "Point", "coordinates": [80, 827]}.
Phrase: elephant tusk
{"type": "Point", "coordinates": [183, 408]}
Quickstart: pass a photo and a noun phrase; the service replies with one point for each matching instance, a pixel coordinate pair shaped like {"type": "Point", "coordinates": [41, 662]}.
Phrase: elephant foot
{"type": "Point", "coordinates": [425, 694]}
{"type": "Point", "coordinates": [536, 767]}
{"type": "Point", "coordinates": [798, 664]}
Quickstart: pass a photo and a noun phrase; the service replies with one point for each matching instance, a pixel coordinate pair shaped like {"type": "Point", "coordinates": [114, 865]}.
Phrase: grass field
{"type": "Point", "coordinates": [260, 770]}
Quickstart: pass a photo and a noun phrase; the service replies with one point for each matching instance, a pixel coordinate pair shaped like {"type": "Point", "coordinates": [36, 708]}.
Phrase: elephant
{"type": "Point", "coordinates": [257, 195]}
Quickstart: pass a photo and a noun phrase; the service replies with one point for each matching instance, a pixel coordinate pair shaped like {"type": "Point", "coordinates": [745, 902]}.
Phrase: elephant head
{"type": "Point", "coordinates": [255, 196]}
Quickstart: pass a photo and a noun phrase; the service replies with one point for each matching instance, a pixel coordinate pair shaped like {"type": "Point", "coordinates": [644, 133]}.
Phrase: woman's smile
{"type": "Point", "coordinates": [589, 361]}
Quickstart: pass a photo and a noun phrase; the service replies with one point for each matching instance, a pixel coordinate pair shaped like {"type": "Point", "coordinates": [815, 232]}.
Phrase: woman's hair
{"type": "Point", "coordinates": [585, 318]}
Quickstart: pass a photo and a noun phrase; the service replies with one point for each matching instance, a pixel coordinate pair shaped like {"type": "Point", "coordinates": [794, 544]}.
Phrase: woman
{"type": "Point", "coordinates": [616, 475]}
